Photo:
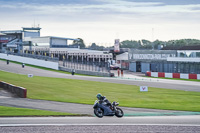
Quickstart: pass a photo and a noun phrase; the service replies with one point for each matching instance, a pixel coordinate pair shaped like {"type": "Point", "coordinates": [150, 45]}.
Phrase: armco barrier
{"type": "Point", "coordinates": [198, 76]}
{"type": "Point", "coordinates": [154, 74]}
{"type": "Point", "coordinates": [184, 76]}
{"type": "Point", "coordinates": [148, 73]}
{"type": "Point", "coordinates": [168, 75]}
{"type": "Point", "coordinates": [160, 74]}
{"type": "Point", "coordinates": [19, 91]}
{"type": "Point", "coordinates": [176, 75]}
{"type": "Point", "coordinates": [173, 75]}
{"type": "Point", "coordinates": [192, 76]}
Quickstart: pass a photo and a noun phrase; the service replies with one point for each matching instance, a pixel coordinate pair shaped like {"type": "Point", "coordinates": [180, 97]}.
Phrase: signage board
{"type": "Point", "coordinates": [30, 75]}
{"type": "Point", "coordinates": [150, 56]}
{"type": "Point", "coordinates": [143, 88]}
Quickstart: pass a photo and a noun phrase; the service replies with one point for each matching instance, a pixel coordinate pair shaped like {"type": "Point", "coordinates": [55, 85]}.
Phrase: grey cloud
{"type": "Point", "coordinates": [196, 8]}
{"type": "Point", "coordinates": [169, 2]}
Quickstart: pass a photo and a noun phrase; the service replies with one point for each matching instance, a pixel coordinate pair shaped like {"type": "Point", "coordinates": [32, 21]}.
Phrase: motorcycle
{"type": "Point", "coordinates": [103, 109]}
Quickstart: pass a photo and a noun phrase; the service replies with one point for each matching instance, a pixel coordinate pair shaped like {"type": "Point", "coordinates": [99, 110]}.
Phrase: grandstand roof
{"type": "Point", "coordinates": [197, 47]}
{"type": "Point", "coordinates": [11, 31]}
{"type": "Point", "coordinates": [194, 47]}
{"type": "Point", "coordinates": [32, 28]}
{"type": "Point", "coordinates": [56, 37]}
{"type": "Point", "coordinates": [1, 34]}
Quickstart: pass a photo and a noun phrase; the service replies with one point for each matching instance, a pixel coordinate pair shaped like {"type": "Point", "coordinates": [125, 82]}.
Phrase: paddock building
{"type": "Point", "coordinates": [169, 61]}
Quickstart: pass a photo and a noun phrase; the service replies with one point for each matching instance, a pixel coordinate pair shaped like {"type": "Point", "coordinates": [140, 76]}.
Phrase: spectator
{"type": "Point", "coordinates": [118, 72]}
{"type": "Point", "coordinates": [122, 72]}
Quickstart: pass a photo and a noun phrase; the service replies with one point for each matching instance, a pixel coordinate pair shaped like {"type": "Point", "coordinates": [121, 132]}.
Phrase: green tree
{"type": "Point", "coordinates": [130, 44]}
{"type": "Point", "coordinates": [96, 47]}
{"type": "Point", "coordinates": [79, 42]}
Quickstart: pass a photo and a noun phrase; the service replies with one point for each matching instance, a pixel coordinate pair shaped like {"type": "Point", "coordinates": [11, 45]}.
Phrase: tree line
{"type": "Point", "coordinates": [157, 44]}
{"type": "Point", "coordinates": [142, 44]}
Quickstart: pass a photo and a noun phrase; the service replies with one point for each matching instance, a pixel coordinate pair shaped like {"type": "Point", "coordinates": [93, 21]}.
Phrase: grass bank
{"type": "Point", "coordinates": [13, 111]}
{"type": "Point", "coordinates": [79, 91]}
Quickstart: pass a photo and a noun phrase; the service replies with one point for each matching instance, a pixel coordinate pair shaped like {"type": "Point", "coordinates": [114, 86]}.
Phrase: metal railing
{"type": "Point", "coordinates": [86, 66]}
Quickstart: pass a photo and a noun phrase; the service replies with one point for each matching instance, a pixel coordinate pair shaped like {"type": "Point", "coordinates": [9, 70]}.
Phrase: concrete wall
{"type": "Point", "coordinates": [31, 61]}
{"type": "Point", "coordinates": [19, 91]}
{"type": "Point", "coordinates": [103, 74]}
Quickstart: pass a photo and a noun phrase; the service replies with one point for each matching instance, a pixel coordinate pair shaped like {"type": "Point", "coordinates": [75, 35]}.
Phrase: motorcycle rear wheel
{"type": "Point", "coordinates": [119, 112]}
{"type": "Point", "coordinates": [97, 113]}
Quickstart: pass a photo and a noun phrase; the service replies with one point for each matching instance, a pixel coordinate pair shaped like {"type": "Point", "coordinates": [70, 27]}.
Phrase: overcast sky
{"type": "Point", "coordinates": [102, 21]}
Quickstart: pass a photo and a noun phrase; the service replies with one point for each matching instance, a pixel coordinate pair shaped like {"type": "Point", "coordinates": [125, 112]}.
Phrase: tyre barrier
{"type": "Point", "coordinates": [19, 91]}
{"type": "Point", "coordinates": [173, 75]}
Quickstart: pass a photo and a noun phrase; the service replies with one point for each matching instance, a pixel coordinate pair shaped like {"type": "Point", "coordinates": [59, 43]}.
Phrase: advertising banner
{"type": "Point", "coordinates": [143, 88]}
{"type": "Point", "coordinates": [116, 46]}
{"type": "Point", "coordinates": [30, 75]}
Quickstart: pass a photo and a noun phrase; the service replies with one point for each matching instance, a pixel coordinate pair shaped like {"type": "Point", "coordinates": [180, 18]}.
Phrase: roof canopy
{"type": "Point", "coordinates": [1, 34]}
{"type": "Point", "coordinates": [32, 28]}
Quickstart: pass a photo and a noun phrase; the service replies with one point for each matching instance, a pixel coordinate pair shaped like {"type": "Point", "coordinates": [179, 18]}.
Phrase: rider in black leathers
{"type": "Point", "coordinates": [103, 99]}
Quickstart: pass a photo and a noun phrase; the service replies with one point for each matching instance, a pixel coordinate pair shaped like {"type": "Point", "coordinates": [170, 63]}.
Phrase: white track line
{"type": "Point", "coordinates": [20, 125]}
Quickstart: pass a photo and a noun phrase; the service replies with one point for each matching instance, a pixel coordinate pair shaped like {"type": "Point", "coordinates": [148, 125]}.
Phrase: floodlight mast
{"type": "Point", "coordinates": [152, 38]}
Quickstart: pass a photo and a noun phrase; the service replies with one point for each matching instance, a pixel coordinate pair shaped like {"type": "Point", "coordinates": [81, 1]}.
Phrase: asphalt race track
{"type": "Point", "coordinates": [150, 82]}
{"type": "Point", "coordinates": [172, 124]}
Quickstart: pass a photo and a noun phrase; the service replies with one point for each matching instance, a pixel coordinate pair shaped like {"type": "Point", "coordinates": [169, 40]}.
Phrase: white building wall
{"type": "Point", "coordinates": [57, 41]}
{"type": "Point", "coordinates": [123, 56]}
{"type": "Point", "coordinates": [38, 39]}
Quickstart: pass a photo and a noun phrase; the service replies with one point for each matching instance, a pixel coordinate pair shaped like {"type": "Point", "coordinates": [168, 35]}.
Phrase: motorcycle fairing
{"type": "Point", "coordinates": [107, 110]}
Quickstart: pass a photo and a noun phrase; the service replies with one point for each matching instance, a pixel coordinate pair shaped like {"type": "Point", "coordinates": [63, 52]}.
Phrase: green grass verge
{"type": "Point", "coordinates": [49, 69]}
{"type": "Point", "coordinates": [197, 80]}
{"type": "Point", "coordinates": [13, 111]}
{"type": "Point", "coordinates": [80, 91]}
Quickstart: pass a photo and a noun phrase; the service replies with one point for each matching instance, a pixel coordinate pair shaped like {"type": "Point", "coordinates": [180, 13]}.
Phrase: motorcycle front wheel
{"type": "Point", "coordinates": [98, 112]}
{"type": "Point", "coordinates": [119, 112]}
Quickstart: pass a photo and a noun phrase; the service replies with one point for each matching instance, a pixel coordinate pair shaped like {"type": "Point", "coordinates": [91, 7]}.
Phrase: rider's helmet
{"type": "Point", "coordinates": [99, 96]}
